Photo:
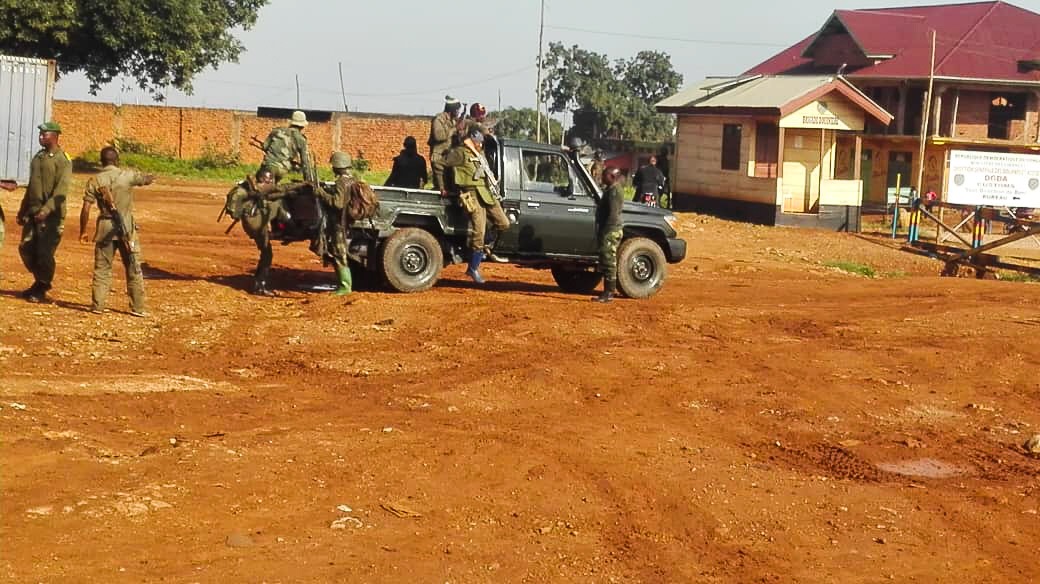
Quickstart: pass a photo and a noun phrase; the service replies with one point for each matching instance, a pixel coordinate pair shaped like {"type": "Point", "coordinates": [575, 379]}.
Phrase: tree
{"type": "Point", "coordinates": [158, 42]}
{"type": "Point", "coordinates": [521, 124]}
{"type": "Point", "coordinates": [610, 100]}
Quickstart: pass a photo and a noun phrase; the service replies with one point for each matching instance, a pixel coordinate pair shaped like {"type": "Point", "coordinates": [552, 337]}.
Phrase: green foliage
{"type": "Point", "coordinates": [521, 124]}
{"type": "Point", "coordinates": [1008, 276]}
{"type": "Point", "coordinates": [853, 268]}
{"type": "Point", "coordinates": [159, 43]}
{"type": "Point", "coordinates": [361, 164]}
{"type": "Point", "coordinates": [614, 100]}
{"type": "Point", "coordinates": [211, 165]}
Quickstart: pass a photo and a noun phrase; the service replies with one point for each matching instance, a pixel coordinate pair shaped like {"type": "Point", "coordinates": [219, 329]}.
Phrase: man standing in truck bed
{"type": "Point", "coordinates": [442, 128]}
{"type": "Point", "coordinates": [285, 150]}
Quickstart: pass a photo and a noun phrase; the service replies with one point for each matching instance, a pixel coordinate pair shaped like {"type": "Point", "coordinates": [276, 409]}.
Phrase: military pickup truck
{"type": "Point", "coordinates": [550, 199]}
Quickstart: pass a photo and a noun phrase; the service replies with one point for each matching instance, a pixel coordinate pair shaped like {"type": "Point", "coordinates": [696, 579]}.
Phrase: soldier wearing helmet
{"type": "Point", "coordinates": [336, 200]}
{"type": "Point", "coordinates": [442, 128]}
{"type": "Point", "coordinates": [285, 150]}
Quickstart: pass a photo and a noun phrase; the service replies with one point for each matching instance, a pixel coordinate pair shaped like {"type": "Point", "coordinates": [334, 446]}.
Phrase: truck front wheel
{"type": "Point", "coordinates": [576, 280]}
{"type": "Point", "coordinates": [411, 260]}
{"type": "Point", "coordinates": [641, 267]}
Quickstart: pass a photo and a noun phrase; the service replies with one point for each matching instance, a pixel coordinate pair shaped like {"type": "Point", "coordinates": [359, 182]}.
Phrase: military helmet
{"type": "Point", "coordinates": [341, 160]}
{"type": "Point", "coordinates": [298, 119]}
{"type": "Point", "coordinates": [575, 143]}
{"type": "Point", "coordinates": [477, 110]}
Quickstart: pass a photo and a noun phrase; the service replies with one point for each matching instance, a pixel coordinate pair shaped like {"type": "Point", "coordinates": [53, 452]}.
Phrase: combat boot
{"type": "Point", "coordinates": [473, 271]}
{"type": "Point", "coordinates": [609, 288]}
{"type": "Point", "coordinates": [346, 281]}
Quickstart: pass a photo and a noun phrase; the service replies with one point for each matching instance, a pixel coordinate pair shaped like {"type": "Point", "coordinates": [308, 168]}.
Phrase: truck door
{"type": "Point", "coordinates": [556, 213]}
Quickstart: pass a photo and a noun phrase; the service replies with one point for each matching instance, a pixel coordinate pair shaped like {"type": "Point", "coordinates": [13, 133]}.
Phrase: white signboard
{"type": "Point", "coordinates": [994, 179]}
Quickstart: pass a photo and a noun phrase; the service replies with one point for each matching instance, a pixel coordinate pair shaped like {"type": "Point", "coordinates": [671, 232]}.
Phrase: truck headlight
{"type": "Point", "coordinates": [672, 221]}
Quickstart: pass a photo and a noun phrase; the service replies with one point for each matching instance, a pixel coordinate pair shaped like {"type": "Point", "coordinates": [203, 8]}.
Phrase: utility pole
{"type": "Point", "coordinates": [538, 86]}
{"type": "Point", "coordinates": [342, 88]}
{"type": "Point", "coordinates": [297, 91]}
{"type": "Point", "coordinates": [926, 114]}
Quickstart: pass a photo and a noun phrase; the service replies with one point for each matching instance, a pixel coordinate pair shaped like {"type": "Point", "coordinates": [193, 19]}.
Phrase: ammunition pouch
{"type": "Point", "coordinates": [468, 200]}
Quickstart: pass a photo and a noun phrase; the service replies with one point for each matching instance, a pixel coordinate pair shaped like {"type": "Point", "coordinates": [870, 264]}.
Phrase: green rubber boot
{"type": "Point", "coordinates": [346, 281]}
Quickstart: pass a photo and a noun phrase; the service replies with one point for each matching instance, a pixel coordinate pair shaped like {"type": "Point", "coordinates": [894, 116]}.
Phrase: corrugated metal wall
{"type": "Point", "coordinates": [26, 94]}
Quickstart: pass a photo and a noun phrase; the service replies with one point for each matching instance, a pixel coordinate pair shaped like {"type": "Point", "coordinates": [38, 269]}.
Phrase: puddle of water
{"type": "Point", "coordinates": [924, 467]}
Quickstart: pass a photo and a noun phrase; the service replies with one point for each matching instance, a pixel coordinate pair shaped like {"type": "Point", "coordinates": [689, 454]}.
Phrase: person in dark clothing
{"type": "Point", "coordinates": [611, 231]}
{"type": "Point", "coordinates": [409, 169]}
{"type": "Point", "coordinates": [665, 167]}
{"type": "Point", "coordinates": [649, 182]}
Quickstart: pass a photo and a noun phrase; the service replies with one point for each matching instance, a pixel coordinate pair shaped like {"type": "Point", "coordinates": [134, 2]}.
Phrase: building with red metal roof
{"type": "Point", "coordinates": [985, 96]}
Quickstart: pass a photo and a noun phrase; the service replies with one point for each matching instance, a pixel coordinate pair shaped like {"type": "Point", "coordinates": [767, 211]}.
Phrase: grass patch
{"type": "Point", "coordinates": [1018, 277]}
{"type": "Point", "coordinates": [853, 268]}
{"type": "Point", "coordinates": [212, 165]}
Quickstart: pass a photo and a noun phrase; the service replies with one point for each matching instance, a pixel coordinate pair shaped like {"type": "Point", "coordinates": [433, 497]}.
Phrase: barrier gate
{"type": "Point", "coordinates": [977, 253]}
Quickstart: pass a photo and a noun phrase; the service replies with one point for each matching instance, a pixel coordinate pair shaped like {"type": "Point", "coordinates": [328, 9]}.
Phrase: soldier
{"type": "Point", "coordinates": [250, 204]}
{"type": "Point", "coordinates": [476, 198]}
{"type": "Point", "coordinates": [42, 213]}
{"type": "Point", "coordinates": [409, 170]}
{"type": "Point", "coordinates": [336, 221]}
{"type": "Point", "coordinates": [113, 187]}
{"type": "Point", "coordinates": [475, 122]}
{"type": "Point", "coordinates": [285, 150]}
{"type": "Point", "coordinates": [442, 128]}
{"type": "Point", "coordinates": [608, 219]}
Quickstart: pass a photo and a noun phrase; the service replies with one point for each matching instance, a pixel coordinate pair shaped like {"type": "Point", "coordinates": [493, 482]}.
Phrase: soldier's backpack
{"type": "Point", "coordinates": [363, 202]}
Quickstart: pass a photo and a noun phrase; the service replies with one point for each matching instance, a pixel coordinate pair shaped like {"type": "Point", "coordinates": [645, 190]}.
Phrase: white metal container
{"type": "Point", "coordinates": [26, 98]}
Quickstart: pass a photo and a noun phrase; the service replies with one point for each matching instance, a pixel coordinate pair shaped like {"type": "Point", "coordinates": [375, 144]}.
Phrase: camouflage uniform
{"type": "Point", "coordinates": [50, 174]}
{"type": "Point", "coordinates": [255, 211]}
{"type": "Point", "coordinates": [596, 170]}
{"type": "Point", "coordinates": [120, 182]}
{"type": "Point", "coordinates": [285, 148]}
{"type": "Point", "coordinates": [336, 222]}
{"type": "Point", "coordinates": [442, 127]}
{"type": "Point", "coordinates": [608, 216]}
{"type": "Point", "coordinates": [475, 197]}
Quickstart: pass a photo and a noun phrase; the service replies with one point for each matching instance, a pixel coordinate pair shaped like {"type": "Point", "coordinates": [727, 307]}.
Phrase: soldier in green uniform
{"type": "Point", "coordinates": [254, 206]}
{"type": "Point", "coordinates": [596, 168]}
{"type": "Point", "coordinates": [608, 219]}
{"type": "Point", "coordinates": [285, 150]}
{"type": "Point", "coordinates": [114, 186]}
{"type": "Point", "coordinates": [42, 213]}
{"type": "Point", "coordinates": [476, 198]}
{"type": "Point", "coordinates": [336, 201]}
{"type": "Point", "coordinates": [442, 128]}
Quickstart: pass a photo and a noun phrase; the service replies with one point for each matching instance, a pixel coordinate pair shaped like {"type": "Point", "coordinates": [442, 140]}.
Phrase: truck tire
{"type": "Point", "coordinates": [411, 260]}
{"type": "Point", "coordinates": [641, 267]}
{"type": "Point", "coordinates": [576, 280]}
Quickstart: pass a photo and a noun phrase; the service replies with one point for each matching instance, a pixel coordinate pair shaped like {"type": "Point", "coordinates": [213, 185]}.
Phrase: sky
{"type": "Point", "coordinates": [404, 56]}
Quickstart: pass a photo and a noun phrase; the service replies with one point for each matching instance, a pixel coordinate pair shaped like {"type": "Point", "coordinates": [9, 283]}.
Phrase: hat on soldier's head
{"type": "Point", "coordinates": [50, 127]}
{"type": "Point", "coordinates": [449, 100]}
{"type": "Point", "coordinates": [298, 119]}
{"type": "Point", "coordinates": [341, 160]}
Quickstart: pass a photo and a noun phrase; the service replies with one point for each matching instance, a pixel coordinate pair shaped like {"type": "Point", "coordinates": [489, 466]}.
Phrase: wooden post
{"type": "Point", "coordinates": [819, 181]}
{"type": "Point", "coordinates": [901, 111]}
{"type": "Point", "coordinates": [924, 118]}
{"type": "Point", "coordinates": [937, 114]}
{"type": "Point", "coordinates": [857, 165]}
{"type": "Point", "coordinates": [956, 107]}
{"type": "Point", "coordinates": [780, 155]}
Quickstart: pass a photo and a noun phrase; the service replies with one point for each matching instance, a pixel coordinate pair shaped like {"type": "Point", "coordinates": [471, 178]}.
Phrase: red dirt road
{"type": "Point", "coordinates": [763, 419]}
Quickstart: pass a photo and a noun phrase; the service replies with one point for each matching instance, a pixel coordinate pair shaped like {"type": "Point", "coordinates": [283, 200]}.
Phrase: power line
{"type": "Point", "coordinates": [674, 39]}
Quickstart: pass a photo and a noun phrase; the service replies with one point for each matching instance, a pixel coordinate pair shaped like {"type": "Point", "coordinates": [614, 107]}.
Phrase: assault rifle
{"type": "Point", "coordinates": [119, 229]}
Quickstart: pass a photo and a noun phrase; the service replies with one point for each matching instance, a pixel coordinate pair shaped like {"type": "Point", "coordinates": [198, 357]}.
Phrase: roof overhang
{"type": "Point", "coordinates": [788, 105]}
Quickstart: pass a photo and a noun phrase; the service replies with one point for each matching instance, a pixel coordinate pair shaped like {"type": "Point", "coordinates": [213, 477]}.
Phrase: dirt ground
{"type": "Point", "coordinates": [765, 418]}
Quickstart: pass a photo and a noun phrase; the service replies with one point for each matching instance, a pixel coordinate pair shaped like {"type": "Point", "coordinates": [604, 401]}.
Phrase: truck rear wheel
{"type": "Point", "coordinates": [576, 280]}
{"type": "Point", "coordinates": [642, 267]}
{"type": "Point", "coordinates": [411, 260]}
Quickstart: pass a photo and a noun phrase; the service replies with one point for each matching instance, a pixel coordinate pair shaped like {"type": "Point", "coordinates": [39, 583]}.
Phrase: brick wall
{"type": "Point", "coordinates": [189, 132]}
